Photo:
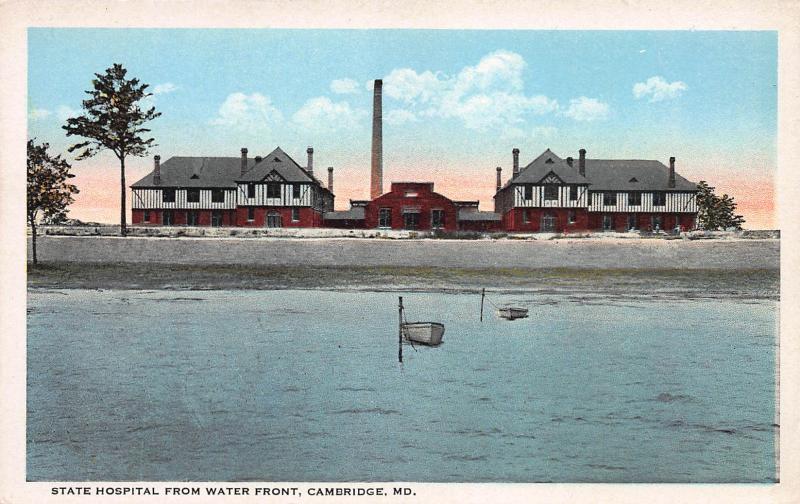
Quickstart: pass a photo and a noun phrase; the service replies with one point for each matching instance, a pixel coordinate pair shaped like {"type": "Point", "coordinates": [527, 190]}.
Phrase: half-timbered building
{"type": "Point", "coordinates": [271, 191]}
{"type": "Point", "coordinates": [562, 195]}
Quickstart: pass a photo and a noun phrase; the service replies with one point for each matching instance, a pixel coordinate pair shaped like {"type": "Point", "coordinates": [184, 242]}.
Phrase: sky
{"type": "Point", "coordinates": [456, 102]}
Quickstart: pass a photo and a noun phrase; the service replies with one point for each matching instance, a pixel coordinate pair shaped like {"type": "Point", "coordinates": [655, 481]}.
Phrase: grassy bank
{"type": "Point", "coordinates": [756, 283]}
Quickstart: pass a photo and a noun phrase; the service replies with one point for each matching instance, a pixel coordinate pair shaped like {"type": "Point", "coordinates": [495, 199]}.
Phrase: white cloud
{"type": "Point", "coordinates": [344, 86]}
{"type": "Point", "coordinates": [658, 89]}
{"type": "Point", "coordinates": [545, 131]}
{"type": "Point", "coordinates": [164, 88]}
{"type": "Point", "coordinates": [321, 114]}
{"type": "Point", "coordinates": [246, 111]}
{"type": "Point", "coordinates": [586, 109]}
{"type": "Point", "coordinates": [38, 113]}
{"type": "Point", "coordinates": [63, 113]}
{"type": "Point", "coordinates": [487, 95]}
{"type": "Point", "coordinates": [537, 133]}
{"type": "Point", "coordinates": [399, 116]}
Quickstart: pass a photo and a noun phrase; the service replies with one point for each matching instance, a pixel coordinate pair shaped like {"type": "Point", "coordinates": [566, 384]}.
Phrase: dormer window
{"type": "Point", "coordinates": [633, 180]}
{"type": "Point", "coordinates": [195, 176]}
{"type": "Point", "coordinates": [549, 161]}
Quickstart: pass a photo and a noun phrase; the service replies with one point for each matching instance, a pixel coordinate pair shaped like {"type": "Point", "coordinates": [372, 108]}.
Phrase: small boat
{"type": "Point", "coordinates": [426, 333]}
{"type": "Point", "coordinates": [512, 312]}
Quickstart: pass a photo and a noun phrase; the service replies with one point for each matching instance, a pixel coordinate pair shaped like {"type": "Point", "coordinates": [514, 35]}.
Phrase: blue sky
{"type": "Point", "coordinates": [455, 101]}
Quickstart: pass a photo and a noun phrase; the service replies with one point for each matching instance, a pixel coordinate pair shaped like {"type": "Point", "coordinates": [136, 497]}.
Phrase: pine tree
{"type": "Point", "coordinates": [113, 119]}
{"type": "Point", "coordinates": [714, 212]}
{"type": "Point", "coordinates": [49, 190]}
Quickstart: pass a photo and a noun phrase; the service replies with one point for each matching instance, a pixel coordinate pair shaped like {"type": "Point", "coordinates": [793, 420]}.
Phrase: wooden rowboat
{"type": "Point", "coordinates": [512, 313]}
{"type": "Point", "coordinates": [425, 333]}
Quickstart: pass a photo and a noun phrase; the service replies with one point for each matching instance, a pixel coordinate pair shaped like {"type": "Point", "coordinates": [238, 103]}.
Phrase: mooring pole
{"type": "Point", "coordinates": [483, 295]}
{"type": "Point", "coordinates": [400, 331]}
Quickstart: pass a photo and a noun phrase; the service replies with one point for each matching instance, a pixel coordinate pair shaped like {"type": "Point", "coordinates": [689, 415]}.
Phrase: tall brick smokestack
{"type": "Point", "coordinates": [376, 173]}
{"type": "Point", "coordinates": [310, 164]}
{"type": "Point", "coordinates": [582, 162]}
{"type": "Point", "coordinates": [515, 154]}
{"type": "Point", "coordinates": [244, 160]}
{"type": "Point", "coordinates": [499, 178]}
{"type": "Point", "coordinates": [330, 178]}
{"type": "Point", "coordinates": [156, 169]}
{"type": "Point", "coordinates": [672, 172]}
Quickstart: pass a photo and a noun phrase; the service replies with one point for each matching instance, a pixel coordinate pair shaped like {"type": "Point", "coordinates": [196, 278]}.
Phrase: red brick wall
{"type": "Point", "coordinates": [425, 199]}
{"type": "Point", "coordinates": [489, 226]}
{"type": "Point", "coordinates": [514, 220]}
{"type": "Point", "coordinates": [179, 217]}
{"type": "Point", "coordinates": [308, 217]}
{"type": "Point", "coordinates": [643, 221]}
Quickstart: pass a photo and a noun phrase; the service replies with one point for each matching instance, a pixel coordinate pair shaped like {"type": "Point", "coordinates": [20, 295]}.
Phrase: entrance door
{"type": "Point", "coordinates": [607, 223]}
{"type": "Point", "coordinates": [274, 220]}
{"type": "Point", "coordinates": [216, 217]}
{"type": "Point", "coordinates": [410, 221]}
{"type": "Point", "coordinates": [548, 222]}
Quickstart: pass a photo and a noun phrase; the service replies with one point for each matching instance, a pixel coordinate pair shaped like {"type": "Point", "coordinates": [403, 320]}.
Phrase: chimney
{"type": "Point", "coordinates": [499, 178]}
{"type": "Point", "coordinates": [672, 173]}
{"type": "Point", "coordinates": [244, 160]}
{"type": "Point", "coordinates": [376, 173]}
{"type": "Point", "coordinates": [569, 161]}
{"type": "Point", "coordinates": [515, 153]}
{"type": "Point", "coordinates": [582, 162]}
{"type": "Point", "coordinates": [330, 178]}
{"type": "Point", "coordinates": [157, 169]}
{"type": "Point", "coordinates": [310, 165]}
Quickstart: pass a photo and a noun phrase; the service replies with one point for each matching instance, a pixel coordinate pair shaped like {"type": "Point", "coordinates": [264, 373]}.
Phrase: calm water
{"type": "Point", "coordinates": [305, 386]}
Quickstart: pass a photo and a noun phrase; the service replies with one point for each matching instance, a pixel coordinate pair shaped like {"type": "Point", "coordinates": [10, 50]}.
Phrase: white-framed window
{"type": "Point", "coordinates": [273, 190]}
{"type": "Point", "coordinates": [659, 198]}
{"type": "Point", "coordinates": [571, 217]}
{"type": "Point", "coordinates": [217, 195]}
{"type": "Point", "coordinates": [437, 218]}
{"type": "Point", "coordinates": [147, 215]}
{"type": "Point", "coordinates": [193, 195]}
{"type": "Point", "coordinates": [609, 199]}
{"type": "Point", "coordinates": [551, 192]}
{"type": "Point", "coordinates": [295, 213]}
{"type": "Point", "coordinates": [168, 195]}
{"type": "Point", "coordinates": [251, 214]}
{"type": "Point", "coordinates": [385, 218]}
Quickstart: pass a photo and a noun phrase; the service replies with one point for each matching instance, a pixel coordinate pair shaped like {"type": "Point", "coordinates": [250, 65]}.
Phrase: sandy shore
{"type": "Point", "coordinates": [354, 252]}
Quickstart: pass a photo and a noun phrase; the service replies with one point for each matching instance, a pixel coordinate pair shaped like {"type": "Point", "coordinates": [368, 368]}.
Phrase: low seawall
{"type": "Point", "coordinates": [525, 254]}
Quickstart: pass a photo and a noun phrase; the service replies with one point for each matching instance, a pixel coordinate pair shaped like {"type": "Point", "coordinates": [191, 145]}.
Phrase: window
{"type": "Point", "coordinates": [678, 223]}
{"type": "Point", "coordinates": [634, 198]}
{"type": "Point", "coordinates": [296, 191]}
{"type": "Point", "coordinates": [274, 220]}
{"type": "Point", "coordinates": [168, 195]}
{"type": "Point", "coordinates": [410, 220]}
{"type": "Point", "coordinates": [192, 218]}
{"type": "Point", "coordinates": [147, 215]}
{"type": "Point", "coordinates": [571, 217]}
{"type": "Point", "coordinates": [437, 219]}
{"type": "Point", "coordinates": [168, 218]}
{"type": "Point", "coordinates": [295, 213]}
{"type": "Point", "coordinates": [216, 218]}
{"type": "Point", "coordinates": [217, 196]}
{"type": "Point", "coordinates": [385, 218]}
{"type": "Point", "coordinates": [551, 192]}
{"type": "Point", "coordinates": [528, 192]}
{"type": "Point", "coordinates": [631, 221]}
{"type": "Point", "coordinates": [251, 190]}
{"type": "Point", "coordinates": [548, 222]}
{"type": "Point", "coordinates": [573, 193]}
{"type": "Point", "coordinates": [193, 195]}
{"type": "Point", "coordinates": [525, 217]}
{"type": "Point", "coordinates": [609, 198]}
{"type": "Point", "coordinates": [608, 222]}
{"type": "Point", "coordinates": [659, 198]}
{"type": "Point", "coordinates": [411, 194]}
{"type": "Point", "coordinates": [273, 190]}
{"type": "Point", "coordinates": [251, 214]}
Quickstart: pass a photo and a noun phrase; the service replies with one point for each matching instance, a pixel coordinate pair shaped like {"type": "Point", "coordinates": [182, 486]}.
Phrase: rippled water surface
{"type": "Point", "coordinates": [305, 386]}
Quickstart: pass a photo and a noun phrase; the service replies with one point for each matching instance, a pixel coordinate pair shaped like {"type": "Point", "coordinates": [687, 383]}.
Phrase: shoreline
{"type": "Point", "coordinates": [588, 254]}
{"type": "Point", "coordinates": [579, 283]}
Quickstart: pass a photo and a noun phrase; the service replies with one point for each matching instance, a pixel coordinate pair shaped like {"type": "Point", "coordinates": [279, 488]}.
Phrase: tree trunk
{"type": "Point", "coordinates": [33, 240]}
{"type": "Point", "coordinates": [122, 213]}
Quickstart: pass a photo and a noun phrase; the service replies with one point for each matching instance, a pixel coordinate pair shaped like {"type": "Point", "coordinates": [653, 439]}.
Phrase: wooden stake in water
{"type": "Point", "coordinates": [483, 295]}
{"type": "Point", "coordinates": [400, 331]}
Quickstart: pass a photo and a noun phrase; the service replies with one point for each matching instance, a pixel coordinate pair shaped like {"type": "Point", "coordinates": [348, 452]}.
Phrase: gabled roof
{"type": "Point", "coordinates": [182, 171]}
{"type": "Point", "coordinates": [279, 162]}
{"type": "Point", "coordinates": [543, 165]}
{"type": "Point", "coordinates": [633, 175]}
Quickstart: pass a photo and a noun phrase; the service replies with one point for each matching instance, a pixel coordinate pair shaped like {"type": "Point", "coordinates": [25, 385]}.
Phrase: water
{"type": "Point", "coordinates": [305, 386]}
